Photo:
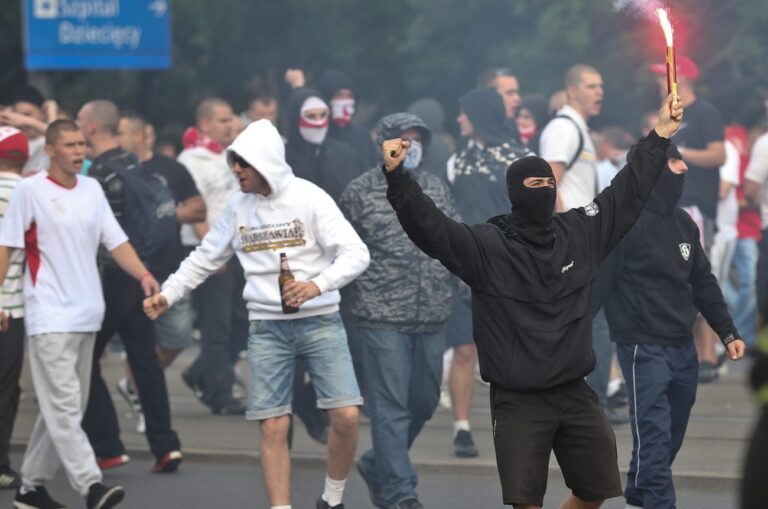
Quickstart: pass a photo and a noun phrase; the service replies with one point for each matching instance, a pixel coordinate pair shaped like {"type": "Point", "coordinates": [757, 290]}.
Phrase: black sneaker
{"type": "Point", "coordinates": [9, 479]}
{"type": "Point", "coordinates": [228, 406]}
{"type": "Point", "coordinates": [322, 504]}
{"type": "Point", "coordinates": [464, 446]}
{"type": "Point", "coordinates": [707, 372]}
{"type": "Point", "coordinates": [193, 384]}
{"type": "Point", "coordinates": [35, 498]}
{"type": "Point", "coordinates": [409, 503]}
{"type": "Point", "coordinates": [101, 496]}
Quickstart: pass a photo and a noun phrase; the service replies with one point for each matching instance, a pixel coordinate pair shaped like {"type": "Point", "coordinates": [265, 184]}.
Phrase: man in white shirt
{"type": "Point", "coordinates": [60, 218]}
{"type": "Point", "coordinates": [14, 150]}
{"type": "Point", "coordinates": [220, 309]}
{"type": "Point", "coordinates": [277, 213]}
{"type": "Point", "coordinates": [565, 142]}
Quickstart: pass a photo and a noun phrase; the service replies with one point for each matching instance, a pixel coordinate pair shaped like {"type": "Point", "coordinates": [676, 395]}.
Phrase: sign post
{"type": "Point", "coordinates": [96, 34]}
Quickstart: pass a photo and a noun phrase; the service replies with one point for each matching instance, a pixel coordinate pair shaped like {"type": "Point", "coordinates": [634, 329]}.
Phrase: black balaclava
{"type": "Point", "coordinates": [485, 109]}
{"type": "Point", "coordinates": [532, 209]}
{"type": "Point", "coordinates": [669, 187]}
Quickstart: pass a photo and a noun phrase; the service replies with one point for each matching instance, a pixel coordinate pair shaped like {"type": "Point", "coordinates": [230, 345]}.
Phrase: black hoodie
{"type": "Point", "coordinates": [356, 136]}
{"type": "Point", "coordinates": [331, 165]}
{"type": "Point", "coordinates": [660, 278]}
{"type": "Point", "coordinates": [531, 309]}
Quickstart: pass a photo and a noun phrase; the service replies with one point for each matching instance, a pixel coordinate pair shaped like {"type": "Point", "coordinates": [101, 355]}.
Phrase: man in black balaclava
{"type": "Point", "coordinates": [531, 274]}
{"type": "Point", "coordinates": [658, 280]}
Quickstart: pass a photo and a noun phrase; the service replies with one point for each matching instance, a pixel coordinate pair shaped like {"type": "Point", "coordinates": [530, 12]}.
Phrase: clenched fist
{"type": "Point", "coordinates": [155, 306]}
{"type": "Point", "coordinates": [394, 153]}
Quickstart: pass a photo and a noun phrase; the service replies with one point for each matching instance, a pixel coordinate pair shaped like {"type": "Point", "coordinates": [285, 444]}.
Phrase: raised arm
{"type": "Point", "coordinates": [616, 209]}
{"type": "Point", "coordinates": [452, 243]}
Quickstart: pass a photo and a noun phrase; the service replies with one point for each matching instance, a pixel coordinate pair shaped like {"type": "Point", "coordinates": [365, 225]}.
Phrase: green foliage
{"type": "Point", "coordinates": [399, 50]}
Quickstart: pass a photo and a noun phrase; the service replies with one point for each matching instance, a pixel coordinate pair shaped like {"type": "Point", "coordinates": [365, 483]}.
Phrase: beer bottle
{"type": "Point", "coordinates": [285, 276]}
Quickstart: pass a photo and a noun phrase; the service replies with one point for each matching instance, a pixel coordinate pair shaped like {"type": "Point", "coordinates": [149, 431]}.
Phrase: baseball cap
{"type": "Point", "coordinates": [683, 63]}
{"type": "Point", "coordinates": [13, 144]}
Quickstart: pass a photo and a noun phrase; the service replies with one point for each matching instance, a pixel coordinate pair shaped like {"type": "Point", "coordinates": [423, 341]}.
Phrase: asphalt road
{"type": "Point", "coordinates": [238, 484]}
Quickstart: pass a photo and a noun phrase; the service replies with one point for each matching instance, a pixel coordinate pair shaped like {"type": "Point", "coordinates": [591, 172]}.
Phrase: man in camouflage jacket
{"type": "Point", "coordinates": [401, 304]}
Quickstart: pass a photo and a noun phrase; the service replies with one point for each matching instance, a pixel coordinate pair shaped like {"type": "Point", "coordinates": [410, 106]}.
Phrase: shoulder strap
{"type": "Point", "coordinates": [581, 141]}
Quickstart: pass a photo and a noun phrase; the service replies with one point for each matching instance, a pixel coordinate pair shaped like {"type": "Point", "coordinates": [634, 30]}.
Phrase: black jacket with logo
{"type": "Point", "coordinates": [531, 309]}
{"type": "Point", "coordinates": [658, 279]}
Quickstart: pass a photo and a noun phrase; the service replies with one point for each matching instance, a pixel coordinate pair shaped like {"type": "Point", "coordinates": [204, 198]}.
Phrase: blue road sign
{"type": "Point", "coordinates": [97, 34]}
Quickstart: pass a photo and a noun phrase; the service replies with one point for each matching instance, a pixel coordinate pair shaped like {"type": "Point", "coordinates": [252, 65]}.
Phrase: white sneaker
{"type": "Point", "coordinates": [141, 425]}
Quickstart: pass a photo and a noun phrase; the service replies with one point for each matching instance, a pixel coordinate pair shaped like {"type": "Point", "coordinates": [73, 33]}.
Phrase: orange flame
{"type": "Point", "coordinates": [666, 26]}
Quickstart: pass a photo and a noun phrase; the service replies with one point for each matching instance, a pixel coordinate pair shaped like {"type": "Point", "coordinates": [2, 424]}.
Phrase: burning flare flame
{"type": "Point", "coordinates": [666, 26]}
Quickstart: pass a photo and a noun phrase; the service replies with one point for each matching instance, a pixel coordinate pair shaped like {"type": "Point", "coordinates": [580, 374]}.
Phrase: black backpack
{"type": "Point", "coordinates": [149, 208]}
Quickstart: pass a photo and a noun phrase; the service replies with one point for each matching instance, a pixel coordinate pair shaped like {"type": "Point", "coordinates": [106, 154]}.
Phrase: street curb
{"type": "Point", "coordinates": [427, 466]}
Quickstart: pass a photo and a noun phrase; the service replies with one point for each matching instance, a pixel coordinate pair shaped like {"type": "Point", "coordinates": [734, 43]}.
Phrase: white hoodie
{"type": "Point", "coordinates": [297, 218]}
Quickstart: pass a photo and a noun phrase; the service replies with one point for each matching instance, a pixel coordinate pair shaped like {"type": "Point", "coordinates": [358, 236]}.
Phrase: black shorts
{"type": "Point", "coordinates": [528, 426]}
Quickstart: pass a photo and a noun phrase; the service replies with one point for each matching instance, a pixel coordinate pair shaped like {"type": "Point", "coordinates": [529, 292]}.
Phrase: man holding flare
{"type": "Point", "coordinates": [531, 274]}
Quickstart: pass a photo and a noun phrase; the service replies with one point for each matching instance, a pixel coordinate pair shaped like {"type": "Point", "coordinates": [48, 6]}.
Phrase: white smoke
{"type": "Point", "coordinates": [643, 8]}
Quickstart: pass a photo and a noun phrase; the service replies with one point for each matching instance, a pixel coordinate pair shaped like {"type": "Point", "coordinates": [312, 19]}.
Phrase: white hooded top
{"type": "Point", "coordinates": [297, 218]}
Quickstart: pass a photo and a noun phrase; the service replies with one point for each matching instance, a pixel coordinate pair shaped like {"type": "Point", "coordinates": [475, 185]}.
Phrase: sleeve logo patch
{"type": "Point", "coordinates": [685, 250]}
{"type": "Point", "coordinates": [592, 209]}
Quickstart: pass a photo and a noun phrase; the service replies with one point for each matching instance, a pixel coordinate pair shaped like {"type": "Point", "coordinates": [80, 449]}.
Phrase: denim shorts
{"type": "Point", "coordinates": [274, 346]}
{"type": "Point", "coordinates": [173, 329]}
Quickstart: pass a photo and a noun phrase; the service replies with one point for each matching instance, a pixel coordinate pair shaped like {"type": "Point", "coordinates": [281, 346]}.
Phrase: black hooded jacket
{"type": "Point", "coordinates": [331, 165]}
{"type": "Point", "coordinates": [356, 136]}
{"type": "Point", "coordinates": [659, 277]}
{"type": "Point", "coordinates": [531, 308]}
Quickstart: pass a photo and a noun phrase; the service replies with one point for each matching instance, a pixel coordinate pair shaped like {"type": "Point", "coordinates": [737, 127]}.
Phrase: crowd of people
{"type": "Point", "coordinates": [602, 299]}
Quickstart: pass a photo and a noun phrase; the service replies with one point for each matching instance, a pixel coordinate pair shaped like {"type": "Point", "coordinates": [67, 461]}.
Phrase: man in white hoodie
{"type": "Point", "coordinates": [274, 213]}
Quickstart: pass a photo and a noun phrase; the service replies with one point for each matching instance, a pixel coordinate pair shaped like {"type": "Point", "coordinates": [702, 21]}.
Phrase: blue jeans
{"type": "Point", "coordinates": [274, 346]}
{"type": "Point", "coordinates": [741, 289]}
{"type": "Point", "coordinates": [402, 373]}
{"type": "Point", "coordinates": [661, 382]}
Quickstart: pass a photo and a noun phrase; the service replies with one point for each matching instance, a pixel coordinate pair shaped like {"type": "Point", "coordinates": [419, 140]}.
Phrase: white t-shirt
{"type": "Point", "coordinates": [215, 181]}
{"type": "Point", "coordinates": [13, 287]}
{"type": "Point", "coordinates": [559, 142]}
{"type": "Point", "coordinates": [60, 230]}
{"type": "Point", "coordinates": [728, 207]}
{"type": "Point", "coordinates": [757, 171]}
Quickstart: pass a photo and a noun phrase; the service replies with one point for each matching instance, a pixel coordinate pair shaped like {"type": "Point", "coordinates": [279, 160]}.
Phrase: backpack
{"type": "Point", "coordinates": [149, 209]}
{"type": "Point", "coordinates": [581, 141]}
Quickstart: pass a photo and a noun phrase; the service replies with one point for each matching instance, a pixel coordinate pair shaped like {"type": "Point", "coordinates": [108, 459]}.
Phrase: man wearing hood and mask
{"type": "Point", "coordinates": [475, 173]}
{"type": "Point", "coordinates": [276, 213]}
{"type": "Point", "coordinates": [337, 90]}
{"type": "Point", "coordinates": [531, 274]}
{"type": "Point", "coordinates": [660, 278]}
{"type": "Point", "coordinates": [401, 305]}
{"type": "Point", "coordinates": [313, 156]}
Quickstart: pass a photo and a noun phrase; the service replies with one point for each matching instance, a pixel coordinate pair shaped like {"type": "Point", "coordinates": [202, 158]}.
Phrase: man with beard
{"type": "Point", "coordinates": [531, 278]}
{"type": "Point", "coordinates": [660, 279]}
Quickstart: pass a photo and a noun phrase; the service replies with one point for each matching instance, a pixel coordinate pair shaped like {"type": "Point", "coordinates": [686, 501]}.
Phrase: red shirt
{"type": "Point", "coordinates": [749, 224]}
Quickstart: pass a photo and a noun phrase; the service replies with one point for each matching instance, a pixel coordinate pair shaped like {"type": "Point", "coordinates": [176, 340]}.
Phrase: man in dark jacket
{"type": "Point", "coordinates": [401, 304]}
{"type": "Point", "coordinates": [337, 90]}
{"type": "Point", "coordinates": [660, 279]}
{"type": "Point", "coordinates": [531, 278]}
{"type": "Point", "coordinates": [310, 152]}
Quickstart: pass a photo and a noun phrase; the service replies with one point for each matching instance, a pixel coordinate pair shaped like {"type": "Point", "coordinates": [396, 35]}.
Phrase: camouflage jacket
{"type": "Point", "coordinates": [403, 289]}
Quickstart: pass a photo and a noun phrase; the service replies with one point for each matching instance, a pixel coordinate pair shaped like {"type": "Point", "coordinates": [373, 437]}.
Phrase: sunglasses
{"type": "Point", "coordinates": [237, 160]}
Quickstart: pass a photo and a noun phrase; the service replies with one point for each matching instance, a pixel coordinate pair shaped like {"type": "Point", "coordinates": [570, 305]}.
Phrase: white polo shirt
{"type": "Point", "coordinates": [559, 142]}
{"type": "Point", "coordinates": [61, 229]}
